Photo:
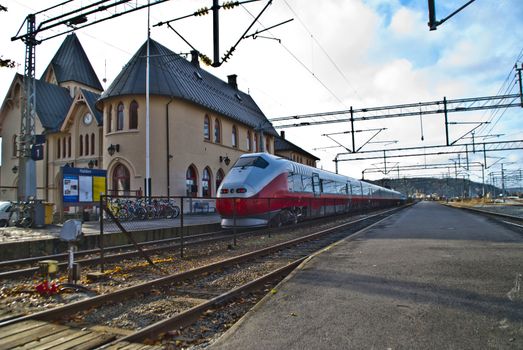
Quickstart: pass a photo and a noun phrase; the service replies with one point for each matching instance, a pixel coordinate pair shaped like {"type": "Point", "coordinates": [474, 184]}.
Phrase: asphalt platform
{"type": "Point", "coordinates": [431, 277]}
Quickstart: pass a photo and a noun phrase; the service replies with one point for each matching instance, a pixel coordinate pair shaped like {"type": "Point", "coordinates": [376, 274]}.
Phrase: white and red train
{"type": "Point", "coordinates": [264, 190]}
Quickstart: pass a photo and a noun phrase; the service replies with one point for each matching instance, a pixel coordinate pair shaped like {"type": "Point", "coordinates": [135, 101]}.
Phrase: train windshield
{"type": "Point", "coordinates": [244, 162]}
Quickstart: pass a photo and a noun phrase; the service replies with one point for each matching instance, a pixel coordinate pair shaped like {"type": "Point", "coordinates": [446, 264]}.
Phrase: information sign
{"type": "Point", "coordinates": [83, 185]}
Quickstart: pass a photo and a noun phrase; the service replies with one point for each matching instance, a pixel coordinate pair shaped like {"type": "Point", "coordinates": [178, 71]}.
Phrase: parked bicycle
{"type": "Point", "coordinates": [23, 214]}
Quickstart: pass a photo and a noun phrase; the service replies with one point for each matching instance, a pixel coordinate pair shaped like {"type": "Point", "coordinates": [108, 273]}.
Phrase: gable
{"type": "Point", "coordinates": [70, 63]}
{"type": "Point", "coordinates": [86, 98]}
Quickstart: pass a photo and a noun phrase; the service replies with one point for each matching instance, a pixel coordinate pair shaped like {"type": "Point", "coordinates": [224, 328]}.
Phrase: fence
{"type": "Point", "coordinates": [129, 214]}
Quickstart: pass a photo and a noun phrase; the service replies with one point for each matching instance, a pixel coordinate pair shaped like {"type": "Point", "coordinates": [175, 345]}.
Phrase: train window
{"type": "Point", "coordinates": [294, 181]}
{"type": "Point", "coordinates": [257, 162]}
{"type": "Point", "coordinates": [342, 188]}
{"type": "Point", "coordinates": [356, 189]}
{"type": "Point", "coordinates": [307, 183]}
{"type": "Point", "coordinates": [332, 187]}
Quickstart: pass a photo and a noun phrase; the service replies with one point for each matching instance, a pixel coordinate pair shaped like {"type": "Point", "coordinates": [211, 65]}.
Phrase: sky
{"type": "Point", "coordinates": [333, 55]}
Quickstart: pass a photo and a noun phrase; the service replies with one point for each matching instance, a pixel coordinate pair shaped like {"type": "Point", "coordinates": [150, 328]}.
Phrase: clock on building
{"type": "Point", "coordinates": [88, 118]}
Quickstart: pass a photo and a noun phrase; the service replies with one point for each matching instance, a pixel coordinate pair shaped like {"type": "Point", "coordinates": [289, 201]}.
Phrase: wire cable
{"type": "Point", "coordinates": [324, 51]}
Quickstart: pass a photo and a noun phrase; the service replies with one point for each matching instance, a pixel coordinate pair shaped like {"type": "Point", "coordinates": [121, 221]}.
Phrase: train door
{"type": "Point", "coordinates": [349, 195]}
{"type": "Point", "coordinates": [316, 184]}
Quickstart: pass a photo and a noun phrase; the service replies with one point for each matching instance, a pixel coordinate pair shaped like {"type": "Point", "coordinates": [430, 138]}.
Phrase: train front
{"type": "Point", "coordinates": [244, 196]}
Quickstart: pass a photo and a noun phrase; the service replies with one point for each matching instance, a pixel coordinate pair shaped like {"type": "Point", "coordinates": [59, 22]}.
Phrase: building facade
{"type": "Point", "coordinates": [198, 125]}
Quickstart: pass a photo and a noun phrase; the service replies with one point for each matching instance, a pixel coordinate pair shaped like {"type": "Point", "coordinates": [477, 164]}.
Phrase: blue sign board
{"type": "Point", "coordinates": [83, 185]}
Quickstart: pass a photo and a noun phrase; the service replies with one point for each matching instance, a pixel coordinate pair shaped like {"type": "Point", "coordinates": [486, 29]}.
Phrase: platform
{"type": "Point", "coordinates": [431, 277]}
{"type": "Point", "coordinates": [18, 243]}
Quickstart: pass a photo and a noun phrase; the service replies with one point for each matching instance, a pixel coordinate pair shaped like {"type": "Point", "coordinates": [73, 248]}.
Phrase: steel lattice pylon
{"type": "Point", "coordinates": [27, 166]}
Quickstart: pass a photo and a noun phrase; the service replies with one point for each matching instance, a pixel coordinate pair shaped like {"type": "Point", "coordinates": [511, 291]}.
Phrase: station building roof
{"type": "Point", "coordinates": [282, 145]}
{"type": "Point", "coordinates": [52, 104]}
{"type": "Point", "coordinates": [70, 63]}
{"type": "Point", "coordinates": [173, 76]}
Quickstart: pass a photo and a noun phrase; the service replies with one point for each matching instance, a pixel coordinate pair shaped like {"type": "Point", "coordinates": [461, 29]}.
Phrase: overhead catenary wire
{"type": "Point", "coordinates": [505, 88]}
{"type": "Point", "coordinates": [324, 52]}
{"type": "Point", "coordinates": [301, 63]}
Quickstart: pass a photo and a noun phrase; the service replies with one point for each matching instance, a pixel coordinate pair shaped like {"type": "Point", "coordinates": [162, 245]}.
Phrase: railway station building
{"type": "Point", "coordinates": [199, 125]}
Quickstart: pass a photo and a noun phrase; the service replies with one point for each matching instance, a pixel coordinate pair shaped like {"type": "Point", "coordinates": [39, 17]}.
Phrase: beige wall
{"type": "Point", "coordinates": [10, 127]}
{"type": "Point", "coordinates": [48, 169]}
{"type": "Point", "coordinates": [187, 145]}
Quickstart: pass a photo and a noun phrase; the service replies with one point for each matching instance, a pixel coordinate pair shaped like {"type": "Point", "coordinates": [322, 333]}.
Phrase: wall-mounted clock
{"type": "Point", "coordinates": [88, 118]}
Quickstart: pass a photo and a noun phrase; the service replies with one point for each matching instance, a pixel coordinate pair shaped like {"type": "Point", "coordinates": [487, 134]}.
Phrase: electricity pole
{"type": "Point", "coordinates": [27, 166]}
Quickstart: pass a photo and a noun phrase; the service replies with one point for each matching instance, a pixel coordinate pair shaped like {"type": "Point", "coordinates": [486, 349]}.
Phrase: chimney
{"type": "Point", "coordinates": [194, 58]}
{"type": "Point", "coordinates": [282, 134]}
{"type": "Point", "coordinates": [232, 80]}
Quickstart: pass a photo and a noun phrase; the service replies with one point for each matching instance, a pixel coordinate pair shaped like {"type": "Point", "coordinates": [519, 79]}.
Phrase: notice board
{"type": "Point", "coordinates": [83, 185]}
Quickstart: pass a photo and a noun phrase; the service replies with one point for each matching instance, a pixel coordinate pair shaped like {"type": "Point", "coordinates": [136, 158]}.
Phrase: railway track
{"type": "Point", "coordinates": [200, 290]}
{"type": "Point", "coordinates": [20, 267]}
{"type": "Point", "coordinates": [122, 252]}
{"type": "Point", "coordinates": [511, 220]}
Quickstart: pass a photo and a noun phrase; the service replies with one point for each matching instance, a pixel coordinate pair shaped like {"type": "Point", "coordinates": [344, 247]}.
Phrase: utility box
{"type": "Point", "coordinates": [71, 231]}
{"type": "Point", "coordinates": [39, 213]}
{"type": "Point", "coordinates": [49, 208]}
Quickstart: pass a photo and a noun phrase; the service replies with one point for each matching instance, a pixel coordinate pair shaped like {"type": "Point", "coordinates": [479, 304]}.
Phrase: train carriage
{"type": "Point", "coordinates": [265, 190]}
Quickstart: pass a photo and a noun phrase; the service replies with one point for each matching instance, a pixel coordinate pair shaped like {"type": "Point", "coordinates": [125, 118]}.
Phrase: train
{"type": "Point", "coordinates": [265, 190]}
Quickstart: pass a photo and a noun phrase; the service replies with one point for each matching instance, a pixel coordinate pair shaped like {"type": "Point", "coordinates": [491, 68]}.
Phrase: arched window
{"type": "Point", "coordinates": [64, 149]}
{"type": "Point", "coordinates": [92, 144]}
{"type": "Point", "coordinates": [234, 138]}
{"type": "Point", "coordinates": [256, 149]}
{"type": "Point", "coordinates": [217, 131]}
{"type": "Point", "coordinates": [249, 141]}
{"type": "Point", "coordinates": [81, 143]}
{"type": "Point", "coordinates": [121, 180]}
{"type": "Point", "coordinates": [267, 145]}
{"type": "Point", "coordinates": [191, 181]}
{"type": "Point", "coordinates": [69, 146]}
{"type": "Point", "coordinates": [109, 119]}
{"type": "Point", "coordinates": [14, 145]}
{"type": "Point", "coordinates": [133, 115]}
{"type": "Point", "coordinates": [58, 148]}
{"type": "Point", "coordinates": [206, 182]}
{"type": "Point", "coordinates": [219, 178]}
{"type": "Point", "coordinates": [206, 128]}
{"type": "Point", "coordinates": [119, 117]}
{"type": "Point", "coordinates": [86, 144]}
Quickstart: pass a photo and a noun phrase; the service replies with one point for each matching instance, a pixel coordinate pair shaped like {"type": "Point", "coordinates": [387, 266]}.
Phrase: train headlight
{"type": "Point", "coordinates": [241, 190]}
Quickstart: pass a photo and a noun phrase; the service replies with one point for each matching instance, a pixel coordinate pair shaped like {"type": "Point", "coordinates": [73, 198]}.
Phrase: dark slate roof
{"type": "Point", "coordinates": [281, 144]}
{"type": "Point", "coordinates": [172, 75]}
{"type": "Point", "coordinates": [70, 63]}
{"type": "Point", "coordinates": [91, 98]}
{"type": "Point", "coordinates": [52, 104]}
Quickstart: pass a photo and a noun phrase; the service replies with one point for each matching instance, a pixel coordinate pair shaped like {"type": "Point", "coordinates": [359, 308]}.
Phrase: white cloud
{"type": "Point", "coordinates": [383, 47]}
{"type": "Point", "coordinates": [406, 22]}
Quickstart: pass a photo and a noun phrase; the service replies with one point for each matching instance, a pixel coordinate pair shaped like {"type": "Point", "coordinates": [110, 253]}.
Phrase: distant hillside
{"type": "Point", "coordinates": [447, 188]}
